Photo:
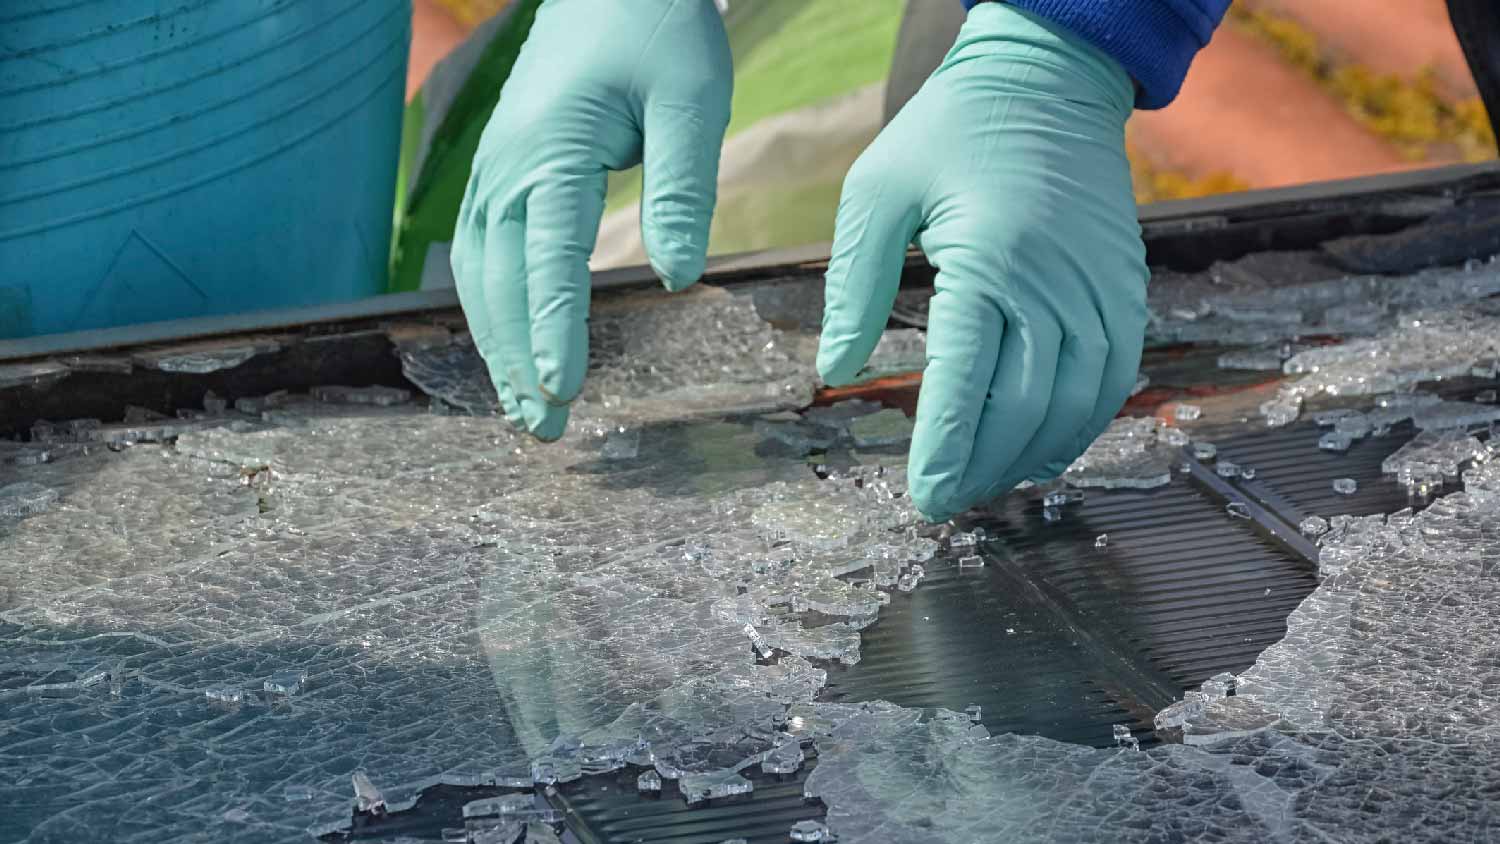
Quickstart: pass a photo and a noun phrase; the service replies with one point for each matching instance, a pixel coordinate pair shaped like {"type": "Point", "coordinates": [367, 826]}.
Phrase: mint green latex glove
{"type": "Point", "coordinates": [1008, 168]}
{"type": "Point", "coordinates": [599, 85]}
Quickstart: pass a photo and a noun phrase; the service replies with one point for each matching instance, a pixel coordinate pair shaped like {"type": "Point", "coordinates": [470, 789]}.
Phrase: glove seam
{"type": "Point", "coordinates": [640, 59]}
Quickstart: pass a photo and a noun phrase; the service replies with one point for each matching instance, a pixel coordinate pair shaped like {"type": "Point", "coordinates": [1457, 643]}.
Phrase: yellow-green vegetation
{"type": "Point", "coordinates": [1154, 183]}
{"type": "Point", "coordinates": [472, 12]}
{"type": "Point", "coordinates": [817, 49]}
{"type": "Point", "coordinates": [783, 214]}
{"type": "Point", "coordinates": [794, 53]}
{"type": "Point", "coordinates": [1409, 112]}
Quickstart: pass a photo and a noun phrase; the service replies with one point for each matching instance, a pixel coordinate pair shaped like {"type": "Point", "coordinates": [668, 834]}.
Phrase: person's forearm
{"type": "Point", "coordinates": [1154, 40]}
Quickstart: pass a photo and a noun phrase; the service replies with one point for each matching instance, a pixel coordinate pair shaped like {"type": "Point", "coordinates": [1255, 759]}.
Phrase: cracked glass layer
{"type": "Point", "coordinates": [705, 352]}
{"type": "Point", "coordinates": [1384, 685]}
{"type": "Point", "coordinates": [1136, 452]}
{"type": "Point", "coordinates": [1423, 346]}
{"type": "Point", "coordinates": [1268, 299]}
{"type": "Point", "coordinates": [203, 358]}
{"type": "Point", "coordinates": [193, 629]}
{"type": "Point", "coordinates": [235, 632]}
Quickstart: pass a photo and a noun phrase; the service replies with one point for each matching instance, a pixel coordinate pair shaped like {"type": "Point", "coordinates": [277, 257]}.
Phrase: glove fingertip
{"type": "Point", "coordinates": [836, 365]}
{"type": "Point", "coordinates": [557, 381]}
{"type": "Point", "coordinates": [678, 267]}
{"type": "Point", "coordinates": [551, 426]}
{"type": "Point", "coordinates": [931, 494]}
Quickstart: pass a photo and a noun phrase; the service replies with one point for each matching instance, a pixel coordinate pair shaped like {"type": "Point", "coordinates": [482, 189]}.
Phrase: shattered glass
{"type": "Point", "coordinates": [452, 373]}
{"type": "Point", "coordinates": [212, 637]}
{"type": "Point", "coordinates": [704, 352]}
{"type": "Point", "coordinates": [1133, 453]}
{"type": "Point", "coordinates": [374, 395]}
{"type": "Point", "coordinates": [884, 429]}
{"type": "Point", "coordinates": [1268, 357]}
{"type": "Point", "coordinates": [1313, 526]}
{"type": "Point", "coordinates": [713, 785]}
{"type": "Point", "coordinates": [1434, 453]}
{"type": "Point", "coordinates": [1265, 300]}
{"type": "Point", "coordinates": [203, 358]}
{"type": "Point", "coordinates": [1406, 616]}
{"type": "Point", "coordinates": [25, 498]}
{"type": "Point", "coordinates": [343, 564]}
{"type": "Point", "coordinates": [1422, 346]}
{"type": "Point", "coordinates": [38, 375]}
{"type": "Point", "coordinates": [899, 350]}
{"type": "Point", "coordinates": [1383, 684]}
{"type": "Point", "coordinates": [805, 831]}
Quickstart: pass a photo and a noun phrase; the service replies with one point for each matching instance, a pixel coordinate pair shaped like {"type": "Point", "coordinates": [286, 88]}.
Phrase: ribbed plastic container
{"type": "Point", "coordinates": [172, 159]}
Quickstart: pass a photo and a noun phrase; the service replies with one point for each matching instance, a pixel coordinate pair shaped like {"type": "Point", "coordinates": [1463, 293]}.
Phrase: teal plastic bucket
{"type": "Point", "coordinates": [173, 158]}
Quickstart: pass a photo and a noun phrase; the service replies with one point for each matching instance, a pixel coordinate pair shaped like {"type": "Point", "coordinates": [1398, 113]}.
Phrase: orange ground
{"type": "Point", "coordinates": [433, 33]}
{"type": "Point", "coordinates": [1387, 36]}
{"type": "Point", "coordinates": [1243, 110]}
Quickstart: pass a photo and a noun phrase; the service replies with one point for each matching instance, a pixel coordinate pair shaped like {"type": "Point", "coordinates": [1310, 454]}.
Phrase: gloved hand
{"type": "Point", "coordinates": [597, 84]}
{"type": "Point", "coordinates": [1008, 168]}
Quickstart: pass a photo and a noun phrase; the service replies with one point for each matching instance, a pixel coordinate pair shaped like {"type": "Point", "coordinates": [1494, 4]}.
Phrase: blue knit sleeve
{"type": "Point", "coordinates": [1154, 40]}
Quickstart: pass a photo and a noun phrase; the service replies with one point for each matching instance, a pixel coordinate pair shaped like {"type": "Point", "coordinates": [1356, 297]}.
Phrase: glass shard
{"type": "Point", "coordinates": [1313, 527]}
{"type": "Point", "coordinates": [784, 759]}
{"type": "Point", "coordinates": [36, 375]}
{"type": "Point", "coordinates": [367, 798]}
{"type": "Point", "coordinates": [1431, 456]}
{"type": "Point", "coordinates": [804, 831]}
{"type": "Point", "coordinates": [25, 498]}
{"type": "Point", "coordinates": [1133, 453]}
{"type": "Point", "coordinates": [224, 694]}
{"type": "Point", "coordinates": [1335, 441]}
{"type": "Point", "coordinates": [376, 395]}
{"type": "Point", "coordinates": [883, 429]}
{"type": "Point", "coordinates": [509, 806]}
{"type": "Point", "coordinates": [899, 350]}
{"type": "Point", "coordinates": [621, 445]}
{"type": "Point", "coordinates": [286, 683]}
{"type": "Point", "coordinates": [201, 359]}
{"type": "Point", "coordinates": [713, 785]}
{"type": "Point", "coordinates": [504, 832]}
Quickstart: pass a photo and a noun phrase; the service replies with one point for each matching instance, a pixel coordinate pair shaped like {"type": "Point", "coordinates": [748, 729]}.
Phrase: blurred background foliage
{"type": "Point", "coordinates": [1385, 79]}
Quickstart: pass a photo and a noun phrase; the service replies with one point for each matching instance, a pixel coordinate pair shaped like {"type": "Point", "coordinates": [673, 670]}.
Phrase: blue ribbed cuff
{"type": "Point", "coordinates": [1154, 40]}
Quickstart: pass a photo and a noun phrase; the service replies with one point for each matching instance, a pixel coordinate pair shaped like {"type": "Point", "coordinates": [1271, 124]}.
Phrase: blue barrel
{"type": "Point", "coordinates": [173, 158]}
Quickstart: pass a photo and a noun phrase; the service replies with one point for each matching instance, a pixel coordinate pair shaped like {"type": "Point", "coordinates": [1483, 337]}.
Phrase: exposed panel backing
{"type": "Point", "coordinates": [1295, 477]}
{"type": "Point", "coordinates": [1058, 637]}
{"type": "Point", "coordinates": [609, 809]}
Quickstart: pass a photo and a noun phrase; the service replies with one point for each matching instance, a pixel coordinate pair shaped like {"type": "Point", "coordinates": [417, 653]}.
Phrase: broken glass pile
{"type": "Point", "coordinates": [1269, 299]}
{"type": "Point", "coordinates": [1422, 346]}
{"type": "Point", "coordinates": [1384, 684]}
{"type": "Point", "coordinates": [281, 597]}
{"type": "Point", "coordinates": [213, 637]}
{"type": "Point", "coordinates": [1133, 453]}
{"type": "Point", "coordinates": [703, 352]}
